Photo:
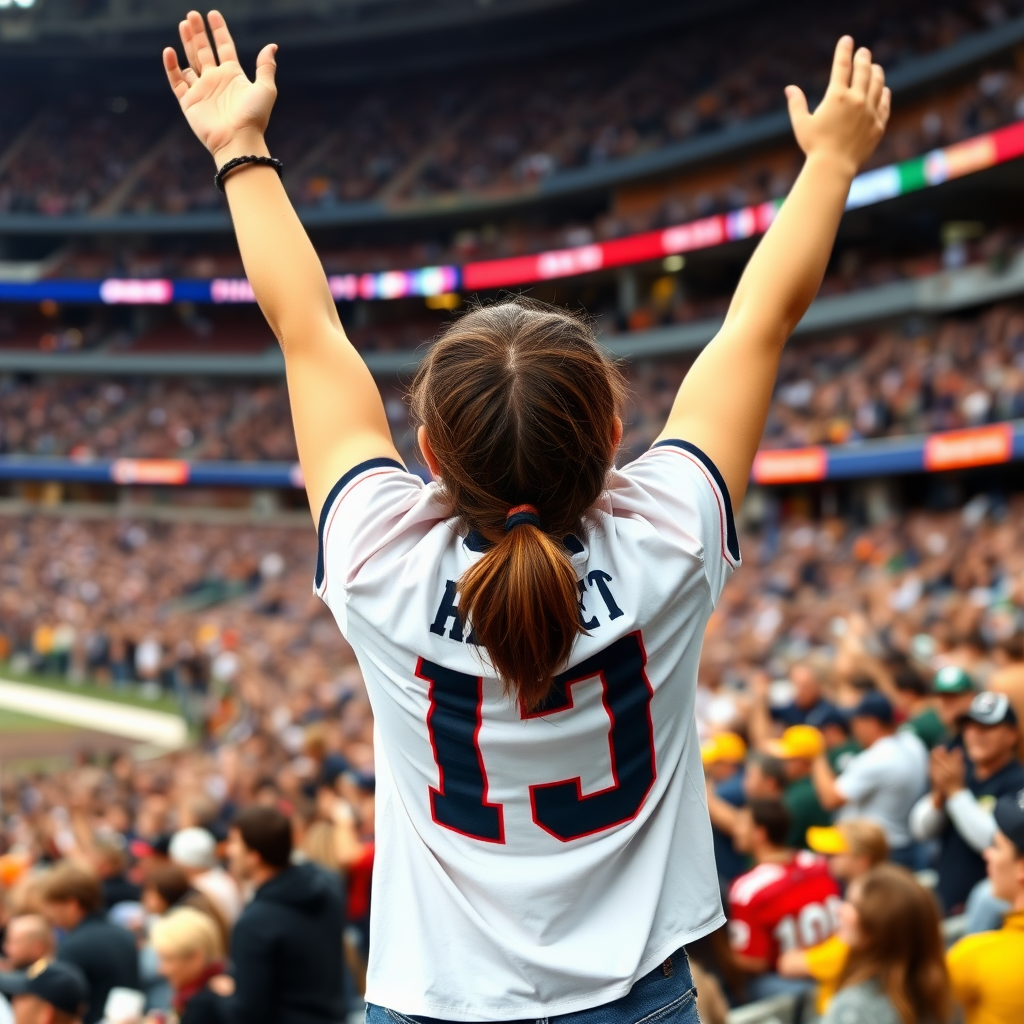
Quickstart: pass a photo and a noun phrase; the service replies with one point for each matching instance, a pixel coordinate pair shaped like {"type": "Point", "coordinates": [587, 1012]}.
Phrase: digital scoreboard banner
{"type": "Point", "coordinates": [934, 168]}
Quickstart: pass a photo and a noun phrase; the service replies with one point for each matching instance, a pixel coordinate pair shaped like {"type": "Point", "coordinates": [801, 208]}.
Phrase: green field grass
{"type": "Point", "coordinates": [13, 721]}
{"type": "Point", "coordinates": [126, 696]}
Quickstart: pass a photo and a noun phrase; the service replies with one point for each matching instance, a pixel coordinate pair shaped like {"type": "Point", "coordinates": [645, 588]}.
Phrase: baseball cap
{"type": "Point", "coordinates": [1009, 815]}
{"type": "Point", "coordinates": [826, 714]}
{"type": "Point", "coordinates": [60, 984]}
{"type": "Point", "coordinates": [193, 848]}
{"type": "Point", "coordinates": [798, 741]}
{"type": "Point", "coordinates": [827, 839]}
{"type": "Point", "coordinates": [992, 709]}
{"type": "Point", "coordinates": [952, 679]}
{"type": "Point", "coordinates": [726, 746]}
{"type": "Point", "coordinates": [873, 705]}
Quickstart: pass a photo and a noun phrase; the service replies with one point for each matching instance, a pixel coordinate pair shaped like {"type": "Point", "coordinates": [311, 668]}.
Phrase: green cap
{"type": "Point", "coordinates": [952, 679]}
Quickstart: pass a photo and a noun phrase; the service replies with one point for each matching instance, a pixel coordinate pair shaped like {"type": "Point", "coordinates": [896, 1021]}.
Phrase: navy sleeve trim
{"type": "Point", "coordinates": [333, 497]}
{"type": "Point", "coordinates": [732, 542]}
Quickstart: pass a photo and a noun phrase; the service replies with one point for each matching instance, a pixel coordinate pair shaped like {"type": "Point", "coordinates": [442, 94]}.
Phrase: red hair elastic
{"type": "Point", "coordinates": [520, 514]}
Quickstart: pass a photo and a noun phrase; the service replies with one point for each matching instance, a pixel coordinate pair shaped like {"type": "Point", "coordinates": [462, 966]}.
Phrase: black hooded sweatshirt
{"type": "Point", "coordinates": [287, 953]}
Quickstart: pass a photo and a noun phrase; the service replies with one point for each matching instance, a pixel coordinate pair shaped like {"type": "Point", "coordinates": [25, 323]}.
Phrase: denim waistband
{"type": "Point", "coordinates": [657, 994]}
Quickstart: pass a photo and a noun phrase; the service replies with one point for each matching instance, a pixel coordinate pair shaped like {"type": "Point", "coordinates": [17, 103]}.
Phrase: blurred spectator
{"type": "Point", "coordinates": [168, 886]}
{"type": "Point", "coordinates": [985, 968]}
{"type": "Point", "coordinates": [105, 954]}
{"type": "Point", "coordinates": [287, 945]}
{"type": "Point", "coordinates": [853, 848]}
{"type": "Point", "coordinates": [965, 783]}
{"type": "Point", "coordinates": [917, 708]}
{"type": "Point", "coordinates": [895, 972]}
{"type": "Point", "coordinates": [954, 690]}
{"type": "Point", "coordinates": [109, 861]}
{"type": "Point", "coordinates": [834, 726]}
{"type": "Point", "coordinates": [192, 960]}
{"type": "Point", "coordinates": [27, 938]}
{"type": "Point", "coordinates": [884, 781]}
{"type": "Point", "coordinates": [787, 901]}
{"type": "Point", "coordinates": [723, 758]}
{"type": "Point", "coordinates": [806, 698]}
{"type": "Point", "coordinates": [195, 850]}
{"type": "Point", "coordinates": [54, 994]}
{"type": "Point", "coordinates": [797, 749]}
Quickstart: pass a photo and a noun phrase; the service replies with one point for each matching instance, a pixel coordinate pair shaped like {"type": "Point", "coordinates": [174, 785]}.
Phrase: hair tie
{"type": "Point", "coordinates": [521, 514]}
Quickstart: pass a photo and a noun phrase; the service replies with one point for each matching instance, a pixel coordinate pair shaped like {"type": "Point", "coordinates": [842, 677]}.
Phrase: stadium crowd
{"type": "Point", "coordinates": [482, 130]}
{"type": "Point", "coordinates": [957, 372]}
{"type": "Point", "coordinates": [849, 705]}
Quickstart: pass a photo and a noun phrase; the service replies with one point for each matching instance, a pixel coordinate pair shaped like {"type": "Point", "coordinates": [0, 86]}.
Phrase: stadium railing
{"type": "Point", "coordinates": [990, 445]}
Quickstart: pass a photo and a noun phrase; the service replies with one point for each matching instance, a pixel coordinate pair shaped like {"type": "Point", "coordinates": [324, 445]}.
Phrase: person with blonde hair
{"type": "Point", "coordinates": [853, 848]}
{"type": "Point", "coordinates": [895, 971]}
{"type": "Point", "coordinates": [191, 951]}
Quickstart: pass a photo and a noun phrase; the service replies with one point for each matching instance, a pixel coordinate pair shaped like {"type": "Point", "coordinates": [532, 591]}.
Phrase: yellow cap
{"type": "Point", "coordinates": [828, 840]}
{"type": "Point", "coordinates": [798, 741]}
{"type": "Point", "coordinates": [726, 746]}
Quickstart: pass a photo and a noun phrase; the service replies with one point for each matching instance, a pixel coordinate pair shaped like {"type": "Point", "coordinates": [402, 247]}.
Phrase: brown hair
{"type": "Point", "coordinates": [174, 887]}
{"type": "Point", "coordinates": [67, 882]}
{"type": "Point", "coordinates": [900, 945]}
{"type": "Point", "coordinates": [519, 406]}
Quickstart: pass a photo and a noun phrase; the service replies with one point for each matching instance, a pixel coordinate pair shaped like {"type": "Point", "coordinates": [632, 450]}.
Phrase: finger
{"type": "Point", "coordinates": [875, 86]}
{"type": "Point", "coordinates": [861, 72]}
{"type": "Point", "coordinates": [188, 41]}
{"type": "Point", "coordinates": [204, 48]}
{"type": "Point", "coordinates": [842, 62]}
{"type": "Point", "coordinates": [266, 66]}
{"type": "Point", "coordinates": [885, 106]}
{"type": "Point", "coordinates": [174, 75]}
{"type": "Point", "coordinates": [222, 37]}
{"type": "Point", "coordinates": [797, 103]}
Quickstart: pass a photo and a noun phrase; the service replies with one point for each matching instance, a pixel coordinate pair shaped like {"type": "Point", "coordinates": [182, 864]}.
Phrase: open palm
{"type": "Point", "coordinates": [218, 100]}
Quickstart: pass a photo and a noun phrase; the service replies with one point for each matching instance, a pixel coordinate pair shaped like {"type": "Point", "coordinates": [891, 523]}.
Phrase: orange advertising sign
{"type": "Point", "coordinates": [790, 465]}
{"type": "Point", "coordinates": [961, 449]}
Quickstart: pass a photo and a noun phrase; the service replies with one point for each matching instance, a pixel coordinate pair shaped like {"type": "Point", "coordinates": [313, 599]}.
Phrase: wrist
{"type": "Point", "coordinates": [249, 143]}
{"type": "Point", "coordinates": [837, 163]}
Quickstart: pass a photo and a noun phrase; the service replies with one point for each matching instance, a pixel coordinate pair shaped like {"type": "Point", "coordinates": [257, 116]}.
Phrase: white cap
{"type": "Point", "coordinates": [193, 848]}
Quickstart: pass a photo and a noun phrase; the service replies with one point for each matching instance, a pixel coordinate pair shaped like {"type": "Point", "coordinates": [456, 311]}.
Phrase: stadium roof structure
{"type": "Point", "coordinates": [410, 34]}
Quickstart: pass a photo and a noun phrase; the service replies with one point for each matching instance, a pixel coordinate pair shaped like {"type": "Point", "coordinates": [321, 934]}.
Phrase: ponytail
{"type": "Point", "coordinates": [522, 599]}
{"type": "Point", "coordinates": [519, 406]}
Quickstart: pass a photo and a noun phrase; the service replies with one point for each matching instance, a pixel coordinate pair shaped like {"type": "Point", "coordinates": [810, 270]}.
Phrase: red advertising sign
{"type": "Point", "coordinates": [790, 465]}
{"type": "Point", "coordinates": [961, 449]}
{"type": "Point", "coordinates": [167, 472]}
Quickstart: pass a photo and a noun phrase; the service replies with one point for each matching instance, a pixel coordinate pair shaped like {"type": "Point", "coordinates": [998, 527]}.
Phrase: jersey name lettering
{"type": "Point", "coordinates": [448, 609]}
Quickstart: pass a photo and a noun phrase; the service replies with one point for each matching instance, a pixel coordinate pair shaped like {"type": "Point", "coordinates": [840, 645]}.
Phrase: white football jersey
{"type": "Point", "coordinates": [532, 864]}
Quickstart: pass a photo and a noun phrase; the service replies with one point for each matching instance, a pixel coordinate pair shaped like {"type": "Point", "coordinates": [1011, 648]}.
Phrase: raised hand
{"type": "Point", "coordinates": [228, 113]}
{"type": "Point", "coordinates": [850, 121]}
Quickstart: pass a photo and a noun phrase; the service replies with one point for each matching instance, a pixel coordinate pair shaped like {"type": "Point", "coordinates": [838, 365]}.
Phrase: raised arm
{"type": "Point", "coordinates": [723, 402]}
{"type": "Point", "coordinates": [337, 411]}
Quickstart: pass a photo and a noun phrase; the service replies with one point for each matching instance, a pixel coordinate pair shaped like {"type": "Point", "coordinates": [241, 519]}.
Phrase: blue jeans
{"type": "Point", "coordinates": [665, 996]}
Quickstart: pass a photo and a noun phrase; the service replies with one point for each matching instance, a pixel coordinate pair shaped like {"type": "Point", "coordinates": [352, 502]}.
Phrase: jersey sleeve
{"type": "Point", "coordinates": [363, 512]}
{"type": "Point", "coordinates": [687, 487]}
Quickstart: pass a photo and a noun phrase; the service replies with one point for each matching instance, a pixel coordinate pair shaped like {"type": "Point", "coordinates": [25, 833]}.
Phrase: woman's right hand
{"type": "Point", "coordinates": [228, 113]}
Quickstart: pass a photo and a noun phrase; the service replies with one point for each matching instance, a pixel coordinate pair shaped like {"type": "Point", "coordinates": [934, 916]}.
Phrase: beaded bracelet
{"type": "Point", "coordinates": [240, 161]}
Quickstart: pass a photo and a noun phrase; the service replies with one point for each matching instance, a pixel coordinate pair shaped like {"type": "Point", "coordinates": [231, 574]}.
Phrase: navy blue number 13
{"type": "Point", "coordinates": [560, 808]}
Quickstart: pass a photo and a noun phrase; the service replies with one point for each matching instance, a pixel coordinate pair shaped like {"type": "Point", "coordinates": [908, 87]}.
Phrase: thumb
{"type": "Point", "coordinates": [266, 66]}
{"type": "Point", "coordinates": [797, 101]}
